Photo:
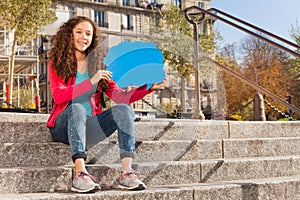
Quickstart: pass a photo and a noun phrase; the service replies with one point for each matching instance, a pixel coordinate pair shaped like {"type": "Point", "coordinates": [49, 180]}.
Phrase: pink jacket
{"type": "Point", "coordinates": [63, 93]}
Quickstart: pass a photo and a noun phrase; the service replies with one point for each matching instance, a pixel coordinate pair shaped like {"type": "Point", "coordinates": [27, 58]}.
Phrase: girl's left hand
{"type": "Point", "coordinates": [159, 85]}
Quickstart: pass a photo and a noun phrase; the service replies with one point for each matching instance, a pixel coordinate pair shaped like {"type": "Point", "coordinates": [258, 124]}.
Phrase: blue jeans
{"type": "Point", "coordinates": [73, 127]}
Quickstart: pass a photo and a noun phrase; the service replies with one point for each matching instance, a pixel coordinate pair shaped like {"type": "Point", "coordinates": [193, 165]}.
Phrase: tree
{"type": "Point", "coordinates": [237, 93]}
{"type": "Point", "coordinates": [24, 18]}
{"type": "Point", "coordinates": [294, 68]}
{"type": "Point", "coordinates": [267, 65]}
{"type": "Point", "coordinates": [25, 93]}
{"type": "Point", "coordinates": [177, 44]}
{"type": "Point", "coordinates": [295, 32]}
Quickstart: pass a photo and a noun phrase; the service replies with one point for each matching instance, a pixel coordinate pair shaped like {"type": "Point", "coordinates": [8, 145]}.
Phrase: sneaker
{"type": "Point", "coordinates": [130, 181]}
{"type": "Point", "coordinates": [84, 183]}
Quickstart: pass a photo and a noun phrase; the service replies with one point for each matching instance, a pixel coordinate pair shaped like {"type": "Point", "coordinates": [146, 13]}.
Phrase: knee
{"type": "Point", "coordinates": [123, 110]}
{"type": "Point", "coordinates": [78, 109]}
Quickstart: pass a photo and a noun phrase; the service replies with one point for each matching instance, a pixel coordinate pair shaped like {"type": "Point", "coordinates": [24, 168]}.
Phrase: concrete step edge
{"type": "Point", "coordinates": [164, 129]}
{"type": "Point", "coordinates": [54, 153]}
{"type": "Point", "coordinates": [275, 188]}
{"type": "Point", "coordinates": [153, 174]}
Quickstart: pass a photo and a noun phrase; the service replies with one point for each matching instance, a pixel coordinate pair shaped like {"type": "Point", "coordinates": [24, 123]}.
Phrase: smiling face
{"type": "Point", "coordinates": [82, 36]}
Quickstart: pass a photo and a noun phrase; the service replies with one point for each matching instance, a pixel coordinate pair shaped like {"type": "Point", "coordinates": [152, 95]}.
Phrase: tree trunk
{"type": "Point", "coordinates": [11, 68]}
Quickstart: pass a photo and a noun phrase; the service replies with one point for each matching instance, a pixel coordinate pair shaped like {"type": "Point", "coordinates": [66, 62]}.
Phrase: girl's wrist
{"type": "Point", "coordinates": [93, 81]}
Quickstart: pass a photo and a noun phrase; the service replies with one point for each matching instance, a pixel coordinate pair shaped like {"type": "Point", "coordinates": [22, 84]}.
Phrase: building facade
{"type": "Point", "coordinates": [121, 20]}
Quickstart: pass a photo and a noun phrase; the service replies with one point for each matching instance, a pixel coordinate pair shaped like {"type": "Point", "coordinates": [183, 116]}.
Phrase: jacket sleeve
{"type": "Point", "coordinates": [119, 95]}
{"type": "Point", "coordinates": [64, 92]}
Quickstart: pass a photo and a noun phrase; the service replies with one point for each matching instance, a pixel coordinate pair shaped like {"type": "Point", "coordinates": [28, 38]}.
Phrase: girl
{"type": "Point", "coordinates": [77, 118]}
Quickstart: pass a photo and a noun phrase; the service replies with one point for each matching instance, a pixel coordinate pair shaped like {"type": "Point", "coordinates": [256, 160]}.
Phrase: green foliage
{"type": "Point", "coordinates": [179, 63]}
{"type": "Point", "coordinates": [168, 107]}
{"type": "Point", "coordinates": [26, 17]}
{"type": "Point", "coordinates": [108, 102]}
{"type": "Point", "coordinates": [176, 22]}
{"type": "Point", "coordinates": [25, 96]}
{"type": "Point", "coordinates": [174, 38]}
{"type": "Point", "coordinates": [177, 43]}
{"type": "Point", "coordinates": [294, 69]}
{"type": "Point", "coordinates": [283, 119]}
{"type": "Point", "coordinates": [295, 32]}
{"type": "Point", "coordinates": [207, 43]}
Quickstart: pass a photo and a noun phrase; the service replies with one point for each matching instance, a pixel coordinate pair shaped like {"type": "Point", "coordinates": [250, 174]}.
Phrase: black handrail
{"type": "Point", "coordinates": [255, 27]}
{"type": "Point", "coordinates": [209, 12]}
{"type": "Point", "coordinates": [252, 84]}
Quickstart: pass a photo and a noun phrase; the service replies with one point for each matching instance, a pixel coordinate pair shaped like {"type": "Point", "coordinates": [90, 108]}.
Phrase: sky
{"type": "Point", "coordinates": [275, 16]}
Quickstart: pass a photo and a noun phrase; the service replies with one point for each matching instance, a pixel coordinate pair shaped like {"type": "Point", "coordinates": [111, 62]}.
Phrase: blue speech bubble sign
{"type": "Point", "coordinates": [135, 63]}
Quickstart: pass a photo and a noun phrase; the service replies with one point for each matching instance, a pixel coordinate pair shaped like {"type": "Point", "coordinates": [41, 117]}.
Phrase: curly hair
{"type": "Point", "coordinates": [62, 50]}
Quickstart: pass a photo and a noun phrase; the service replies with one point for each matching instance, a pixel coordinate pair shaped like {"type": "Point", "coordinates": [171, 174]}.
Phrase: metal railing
{"type": "Point", "coordinates": [212, 12]}
{"type": "Point", "coordinates": [252, 84]}
{"type": "Point", "coordinates": [195, 15]}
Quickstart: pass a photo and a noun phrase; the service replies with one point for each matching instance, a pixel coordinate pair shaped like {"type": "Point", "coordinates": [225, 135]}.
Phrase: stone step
{"type": "Point", "coordinates": [263, 129]}
{"type": "Point", "coordinates": [24, 127]}
{"type": "Point", "coordinates": [24, 130]}
{"type": "Point", "coordinates": [178, 129]}
{"type": "Point", "coordinates": [205, 171]}
{"type": "Point", "coordinates": [275, 189]}
{"type": "Point", "coordinates": [35, 179]}
{"type": "Point", "coordinates": [49, 179]}
{"type": "Point", "coordinates": [17, 132]}
{"type": "Point", "coordinates": [34, 154]}
{"type": "Point", "coordinates": [156, 151]}
{"type": "Point", "coordinates": [261, 147]}
{"type": "Point", "coordinates": [177, 159]}
{"type": "Point", "coordinates": [56, 154]}
{"type": "Point", "coordinates": [22, 117]}
{"type": "Point", "coordinates": [184, 150]}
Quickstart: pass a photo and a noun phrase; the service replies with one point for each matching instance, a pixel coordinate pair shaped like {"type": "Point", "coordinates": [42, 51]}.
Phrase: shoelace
{"type": "Point", "coordinates": [131, 174]}
{"type": "Point", "coordinates": [82, 174]}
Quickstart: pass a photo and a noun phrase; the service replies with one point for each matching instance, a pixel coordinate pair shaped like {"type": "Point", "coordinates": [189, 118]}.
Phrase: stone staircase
{"type": "Point", "coordinates": [177, 159]}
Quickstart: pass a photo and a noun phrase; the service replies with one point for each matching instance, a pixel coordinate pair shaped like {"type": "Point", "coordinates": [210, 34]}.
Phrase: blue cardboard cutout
{"type": "Point", "coordinates": [135, 63]}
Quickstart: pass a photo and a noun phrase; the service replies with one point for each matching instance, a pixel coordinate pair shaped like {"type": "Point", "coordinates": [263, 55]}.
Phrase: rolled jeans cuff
{"type": "Point", "coordinates": [127, 154]}
{"type": "Point", "coordinates": [79, 155]}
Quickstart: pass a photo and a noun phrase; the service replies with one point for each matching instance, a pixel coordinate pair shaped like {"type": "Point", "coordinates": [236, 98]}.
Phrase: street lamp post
{"type": "Point", "coordinates": [198, 114]}
{"type": "Point", "coordinates": [258, 108]}
{"type": "Point", "coordinates": [195, 18]}
{"type": "Point", "coordinates": [256, 75]}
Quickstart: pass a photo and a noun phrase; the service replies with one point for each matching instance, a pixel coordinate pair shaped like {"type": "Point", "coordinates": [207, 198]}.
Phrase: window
{"type": "Point", "coordinates": [100, 17]}
{"type": "Point", "coordinates": [127, 22]}
{"type": "Point", "coordinates": [201, 5]}
{"type": "Point", "coordinates": [125, 2]}
{"type": "Point", "coordinates": [176, 2]}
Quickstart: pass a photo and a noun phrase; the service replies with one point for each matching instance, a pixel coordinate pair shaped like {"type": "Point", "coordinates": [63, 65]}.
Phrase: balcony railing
{"type": "Point", "coordinates": [103, 24]}
{"type": "Point", "coordinates": [20, 50]}
{"type": "Point", "coordinates": [130, 28]}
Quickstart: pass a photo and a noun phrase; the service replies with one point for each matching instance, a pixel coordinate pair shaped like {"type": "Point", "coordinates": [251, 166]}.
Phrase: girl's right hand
{"type": "Point", "coordinates": [101, 74]}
